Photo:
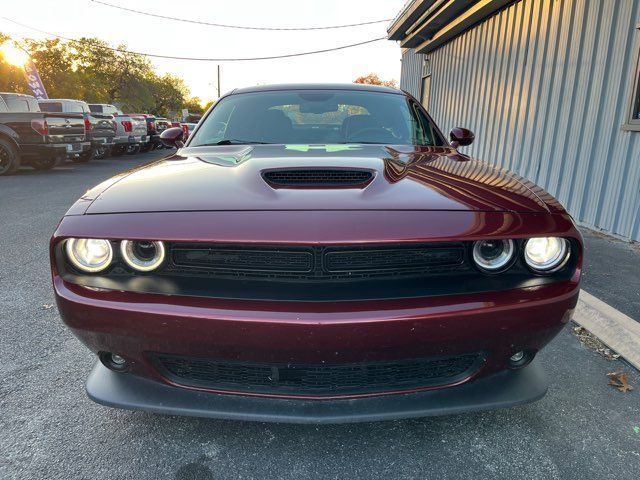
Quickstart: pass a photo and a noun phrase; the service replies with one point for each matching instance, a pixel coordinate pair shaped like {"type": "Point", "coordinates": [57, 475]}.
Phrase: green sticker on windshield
{"type": "Point", "coordinates": [327, 148]}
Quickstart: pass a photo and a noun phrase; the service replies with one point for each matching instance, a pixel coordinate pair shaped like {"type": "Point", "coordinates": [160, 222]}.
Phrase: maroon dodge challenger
{"type": "Point", "coordinates": [316, 253]}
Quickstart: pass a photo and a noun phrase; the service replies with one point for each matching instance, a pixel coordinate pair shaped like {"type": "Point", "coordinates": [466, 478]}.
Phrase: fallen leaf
{"type": "Point", "coordinates": [620, 381]}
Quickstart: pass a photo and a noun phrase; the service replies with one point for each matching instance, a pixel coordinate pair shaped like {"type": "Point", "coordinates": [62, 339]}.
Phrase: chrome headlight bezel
{"type": "Point", "coordinates": [502, 263]}
{"type": "Point", "coordinates": [83, 265]}
{"type": "Point", "coordinates": [138, 264]}
{"type": "Point", "coordinates": [553, 264]}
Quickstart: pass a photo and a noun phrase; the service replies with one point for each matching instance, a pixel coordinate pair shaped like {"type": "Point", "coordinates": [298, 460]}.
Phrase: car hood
{"type": "Point", "coordinates": [227, 178]}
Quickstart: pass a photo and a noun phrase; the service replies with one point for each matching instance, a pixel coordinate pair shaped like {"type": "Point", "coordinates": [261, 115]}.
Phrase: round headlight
{"type": "Point", "coordinates": [142, 255]}
{"type": "Point", "coordinates": [546, 254]}
{"type": "Point", "coordinates": [493, 255]}
{"type": "Point", "coordinates": [89, 254]}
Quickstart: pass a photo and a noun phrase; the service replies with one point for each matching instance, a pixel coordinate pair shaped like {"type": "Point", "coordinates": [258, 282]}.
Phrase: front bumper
{"type": "Point", "coordinates": [134, 325]}
{"type": "Point", "coordinates": [504, 389]}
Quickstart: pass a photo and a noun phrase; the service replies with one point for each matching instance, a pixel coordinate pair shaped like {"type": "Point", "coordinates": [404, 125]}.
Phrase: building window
{"type": "Point", "coordinates": [425, 88]}
{"type": "Point", "coordinates": [633, 121]}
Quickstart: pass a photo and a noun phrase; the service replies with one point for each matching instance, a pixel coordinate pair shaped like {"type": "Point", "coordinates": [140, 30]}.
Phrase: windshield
{"type": "Point", "coordinates": [315, 117]}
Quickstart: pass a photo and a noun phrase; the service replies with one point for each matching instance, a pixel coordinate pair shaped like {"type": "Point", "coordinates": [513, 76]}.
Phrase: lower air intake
{"type": "Point", "coordinates": [316, 380]}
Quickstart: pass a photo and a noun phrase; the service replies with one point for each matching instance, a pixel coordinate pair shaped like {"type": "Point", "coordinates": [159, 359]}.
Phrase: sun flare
{"type": "Point", "coordinates": [13, 55]}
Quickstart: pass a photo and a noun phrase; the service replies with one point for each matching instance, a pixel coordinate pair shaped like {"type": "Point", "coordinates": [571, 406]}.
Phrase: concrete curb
{"type": "Point", "coordinates": [618, 331]}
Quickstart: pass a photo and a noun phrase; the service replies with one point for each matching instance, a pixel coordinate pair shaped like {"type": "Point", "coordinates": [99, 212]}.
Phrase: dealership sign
{"type": "Point", "coordinates": [34, 81]}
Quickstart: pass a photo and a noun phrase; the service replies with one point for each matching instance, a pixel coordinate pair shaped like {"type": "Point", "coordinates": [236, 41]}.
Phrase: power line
{"type": "Point", "coordinates": [240, 27]}
{"type": "Point", "coordinates": [198, 59]}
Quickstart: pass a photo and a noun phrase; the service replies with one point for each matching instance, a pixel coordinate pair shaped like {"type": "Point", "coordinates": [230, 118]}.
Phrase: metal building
{"type": "Point", "coordinates": [551, 89]}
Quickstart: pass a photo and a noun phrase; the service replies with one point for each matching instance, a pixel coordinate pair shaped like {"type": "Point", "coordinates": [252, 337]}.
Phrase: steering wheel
{"type": "Point", "coordinates": [376, 130]}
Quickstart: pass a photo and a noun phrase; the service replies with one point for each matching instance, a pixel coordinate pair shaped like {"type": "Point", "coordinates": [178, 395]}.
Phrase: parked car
{"type": "Point", "coordinates": [30, 137]}
{"type": "Point", "coordinates": [316, 253]}
{"type": "Point", "coordinates": [130, 135]}
{"type": "Point", "coordinates": [100, 128]}
{"type": "Point", "coordinates": [161, 125]}
{"type": "Point", "coordinates": [153, 139]}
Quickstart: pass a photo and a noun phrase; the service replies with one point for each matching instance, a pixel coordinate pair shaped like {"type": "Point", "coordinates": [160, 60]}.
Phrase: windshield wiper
{"type": "Point", "coordinates": [233, 141]}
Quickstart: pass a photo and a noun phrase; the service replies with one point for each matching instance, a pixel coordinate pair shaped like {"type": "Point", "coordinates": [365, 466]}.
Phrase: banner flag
{"type": "Point", "coordinates": [34, 81]}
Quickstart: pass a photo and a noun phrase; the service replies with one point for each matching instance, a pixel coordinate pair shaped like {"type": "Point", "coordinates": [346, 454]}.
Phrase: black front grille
{"type": "Point", "coordinates": [318, 380]}
{"type": "Point", "coordinates": [248, 260]}
{"type": "Point", "coordinates": [317, 177]}
{"type": "Point", "coordinates": [318, 263]}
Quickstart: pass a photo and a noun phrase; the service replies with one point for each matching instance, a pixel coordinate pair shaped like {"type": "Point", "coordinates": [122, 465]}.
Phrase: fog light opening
{"type": "Point", "coordinates": [114, 361]}
{"type": "Point", "coordinates": [521, 359]}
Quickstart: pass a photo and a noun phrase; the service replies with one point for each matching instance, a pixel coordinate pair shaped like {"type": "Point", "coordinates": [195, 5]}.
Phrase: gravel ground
{"type": "Point", "coordinates": [49, 430]}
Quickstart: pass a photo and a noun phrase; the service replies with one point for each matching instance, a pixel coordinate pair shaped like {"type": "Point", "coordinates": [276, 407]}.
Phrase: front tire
{"type": "Point", "coordinates": [44, 163]}
{"type": "Point", "coordinates": [9, 158]}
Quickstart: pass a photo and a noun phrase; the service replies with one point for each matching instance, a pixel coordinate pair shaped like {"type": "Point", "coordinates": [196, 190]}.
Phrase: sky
{"type": "Point", "coordinates": [78, 18]}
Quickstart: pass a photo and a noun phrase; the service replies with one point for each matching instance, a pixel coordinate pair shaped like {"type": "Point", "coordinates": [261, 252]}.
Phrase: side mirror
{"type": "Point", "coordinates": [461, 137]}
{"type": "Point", "coordinates": [172, 137]}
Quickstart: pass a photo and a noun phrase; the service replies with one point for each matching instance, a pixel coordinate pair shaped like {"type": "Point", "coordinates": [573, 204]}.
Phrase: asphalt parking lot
{"type": "Point", "coordinates": [582, 429]}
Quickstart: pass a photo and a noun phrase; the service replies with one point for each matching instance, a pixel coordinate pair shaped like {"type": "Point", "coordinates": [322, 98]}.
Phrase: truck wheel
{"type": "Point", "coordinates": [102, 152]}
{"type": "Point", "coordinates": [83, 157]}
{"type": "Point", "coordinates": [9, 158]}
{"type": "Point", "coordinates": [133, 149]}
{"type": "Point", "coordinates": [46, 163]}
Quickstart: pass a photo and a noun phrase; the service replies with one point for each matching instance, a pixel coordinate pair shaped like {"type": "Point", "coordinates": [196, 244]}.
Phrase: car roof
{"type": "Point", "coordinates": [61, 100]}
{"type": "Point", "coordinates": [17, 94]}
{"type": "Point", "coordinates": [318, 86]}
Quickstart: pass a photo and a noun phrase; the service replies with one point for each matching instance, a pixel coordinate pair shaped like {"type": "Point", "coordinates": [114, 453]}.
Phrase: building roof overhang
{"type": "Point", "coordinates": [425, 25]}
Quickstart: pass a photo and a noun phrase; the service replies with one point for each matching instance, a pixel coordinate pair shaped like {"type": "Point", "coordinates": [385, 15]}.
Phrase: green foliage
{"type": "Point", "coordinates": [85, 69]}
{"type": "Point", "coordinates": [373, 79]}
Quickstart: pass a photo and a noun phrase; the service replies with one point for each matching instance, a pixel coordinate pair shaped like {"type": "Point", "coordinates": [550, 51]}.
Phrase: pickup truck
{"type": "Point", "coordinates": [131, 134]}
{"type": "Point", "coordinates": [30, 137]}
{"type": "Point", "coordinates": [153, 137]}
{"type": "Point", "coordinates": [101, 128]}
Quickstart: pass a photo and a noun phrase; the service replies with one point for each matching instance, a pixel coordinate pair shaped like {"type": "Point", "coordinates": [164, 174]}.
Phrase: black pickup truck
{"type": "Point", "coordinates": [31, 137]}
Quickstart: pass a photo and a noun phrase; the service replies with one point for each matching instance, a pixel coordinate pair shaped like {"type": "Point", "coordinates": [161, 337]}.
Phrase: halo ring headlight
{"type": "Point", "coordinates": [493, 255]}
{"type": "Point", "coordinates": [90, 255]}
{"type": "Point", "coordinates": [143, 256]}
{"type": "Point", "coordinates": [546, 254]}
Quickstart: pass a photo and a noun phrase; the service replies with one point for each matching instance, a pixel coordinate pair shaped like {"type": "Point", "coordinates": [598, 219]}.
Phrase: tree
{"type": "Point", "coordinates": [373, 79]}
{"type": "Point", "coordinates": [89, 69]}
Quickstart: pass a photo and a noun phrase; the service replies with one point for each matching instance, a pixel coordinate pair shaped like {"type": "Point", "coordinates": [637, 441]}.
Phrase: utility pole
{"type": "Point", "coordinates": [218, 81]}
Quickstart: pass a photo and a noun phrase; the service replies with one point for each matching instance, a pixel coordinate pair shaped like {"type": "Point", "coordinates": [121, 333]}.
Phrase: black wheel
{"type": "Point", "coordinates": [44, 163]}
{"type": "Point", "coordinates": [102, 152]}
{"type": "Point", "coordinates": [83, 157]}
{"type": "Point", "coordinates": [9, 158]}
{"type": "Point", "coordinates": [133, 149]}
{"type": "Point", "coordinates": [118, 150]}
{"type": "Point", "coordinates": [146, 147]}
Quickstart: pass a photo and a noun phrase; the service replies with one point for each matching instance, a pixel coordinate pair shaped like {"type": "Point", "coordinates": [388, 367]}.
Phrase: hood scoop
{"type": "Point", "coordinates": [318, 177]}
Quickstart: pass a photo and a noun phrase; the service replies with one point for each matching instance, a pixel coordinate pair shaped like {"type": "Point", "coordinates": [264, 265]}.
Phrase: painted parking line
{"type": "Point", "coordinates": [617, 330]}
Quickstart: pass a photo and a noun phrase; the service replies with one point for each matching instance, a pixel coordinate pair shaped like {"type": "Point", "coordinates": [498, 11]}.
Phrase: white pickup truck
{"type": "Point", "coordinates": [131, 134]}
